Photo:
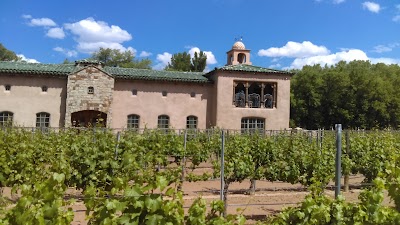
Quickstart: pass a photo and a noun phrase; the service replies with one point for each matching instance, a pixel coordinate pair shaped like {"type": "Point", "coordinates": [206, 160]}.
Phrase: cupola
{"type": "Point", "coordinates": [238, 54]}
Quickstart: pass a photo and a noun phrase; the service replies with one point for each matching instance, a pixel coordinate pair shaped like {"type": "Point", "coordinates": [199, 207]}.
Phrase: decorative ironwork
{"type": "Point", "coordinates": [268, 101]}
{"type": "Point", "coordinates": [240, 99]}
{"type": "Point", "coordinates": [254, 100]}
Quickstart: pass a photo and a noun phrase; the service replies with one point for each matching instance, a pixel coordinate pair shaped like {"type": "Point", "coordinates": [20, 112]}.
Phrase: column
{"type": "Point", "coordinates": [247, 94]}
{"type": "Point", "coordinates": [275, 95]}
{"type": "Point", "coordinates": [234, 94]}
{"type": "Point", "coordinates": [262, 96]}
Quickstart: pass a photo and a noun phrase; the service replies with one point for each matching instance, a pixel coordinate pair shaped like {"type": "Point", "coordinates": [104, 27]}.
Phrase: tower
{"type": "Point", "coordinates": [238, 54]}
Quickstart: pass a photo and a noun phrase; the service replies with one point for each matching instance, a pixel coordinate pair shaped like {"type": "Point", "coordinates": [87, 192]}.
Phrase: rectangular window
{"type": "Point", "coordinates": [42, 120]}
{"type": "Point", "coordinates": [133, 121]}
{"type": "Point", "coordinates": [252, 125]}
{"type": "Point", "coordinates": [163, 122]}
{"type": "Point", "coordinates": [6, 118]}
{"type": "Point", "coordinates": [191, 122]}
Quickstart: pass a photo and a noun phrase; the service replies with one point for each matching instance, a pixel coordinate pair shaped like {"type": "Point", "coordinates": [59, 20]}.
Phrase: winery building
{"type": "Point", "coordinates": [235, 96]}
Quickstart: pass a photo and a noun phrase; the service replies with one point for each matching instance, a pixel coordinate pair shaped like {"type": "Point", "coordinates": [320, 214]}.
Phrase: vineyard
{"type": "Point", "coordinates": [132, 177]}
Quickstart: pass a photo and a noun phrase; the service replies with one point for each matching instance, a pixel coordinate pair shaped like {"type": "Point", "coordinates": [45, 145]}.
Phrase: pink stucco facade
{"type": "Point", "coordinates": [149, 103]}
{"type": "Point", "coordinates": [228, 116]}
{"type": "Point", "coordinates": [25, 98]}
{"type": "Point", "coordinates": [211, 98]}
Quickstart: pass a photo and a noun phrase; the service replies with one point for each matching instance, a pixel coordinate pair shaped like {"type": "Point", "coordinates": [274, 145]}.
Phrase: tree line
{"type": "Point", "coordinates": [357, 94]}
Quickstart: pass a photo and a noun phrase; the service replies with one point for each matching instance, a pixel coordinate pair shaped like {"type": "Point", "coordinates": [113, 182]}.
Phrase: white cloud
{"type": "Point", "coordinates": [385, 60]}
{"type": "Point", "coordinates": [134, 51]}
{"type": "Point", "coordinates": [162, 60]}
{"type": "Point", "coordinates": [210, 56]}
{"type": "Point", "coordinates": [26, 16]}
{"type": "Point", "coordinates": [338, 1]}
{"type": "Point", "coordinates": [275, 60]}
{"type": "Point", "coordinates": [278, 65]}
{"type": "Point", "coordinates": [56, 32]}
{"type": "Point", "coordinates": [28, 60]}
{"type": "Point", "coordinates": [145, 54]}
{"type": "Point", "coordinates": [91, 35]}
{"type": "Point", "coordinates": [372, 6]}
{"type": "Point", "coordinates": [396, 18]}
{"type": "Point", "coordinates": [350, 55]}
{"type": "Point", "coordinates": [385, 48]}
{"type": "Point", "coordinates": [295, 50]}
{"type": "Point", "coordinates": [66, 52]}
{"type": "Point", "coordinates": [41, 22]}
{"type": "Point", "coordinates": [382, 48]}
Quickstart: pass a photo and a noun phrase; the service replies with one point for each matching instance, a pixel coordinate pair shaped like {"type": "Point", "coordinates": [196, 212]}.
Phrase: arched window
{"type": "Point", "coordinates": [44, 88]}
{"type": "Point", "coordinates": [7, 87]}
{"type": "Point", "coordinates": [191, 122]}
{"type": "Point", "coordinates": [254, 95]}
{"type": "Point", "coordinates": [133, 121]}
{"type": "Point", "coordinates": [240, 95]}
{"type": "Point", "coordinates": [252, 124]}
{"type": "Point", "coordinates": [241, 58]}
{"type": "Point", "coordinates": [6, 118]}
{"type": "Point", "coordinates": [42, 119]}
{"type": "Point", "coordinates": [163, 122]}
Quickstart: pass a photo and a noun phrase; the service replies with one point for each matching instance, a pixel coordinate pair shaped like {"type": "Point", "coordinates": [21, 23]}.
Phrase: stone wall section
{"type": "Point", "coordinates": [79, 99]}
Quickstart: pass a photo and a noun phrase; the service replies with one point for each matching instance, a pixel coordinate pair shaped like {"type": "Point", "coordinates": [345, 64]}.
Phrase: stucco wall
{"type": "Point", "coordinates": [229, 117]}
{"type": "Point", "coordinates": [149, 103]}
{"type": "Point", "coordinates": [26, 98]}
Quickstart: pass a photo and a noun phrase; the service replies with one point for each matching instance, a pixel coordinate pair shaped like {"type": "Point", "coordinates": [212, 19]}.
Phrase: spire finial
{"type": "Point", "coordinates": [239, 38]}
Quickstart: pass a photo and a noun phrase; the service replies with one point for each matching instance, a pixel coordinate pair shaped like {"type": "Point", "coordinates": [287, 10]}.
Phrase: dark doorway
{"type": "Point", "coordinates": [89, 118]}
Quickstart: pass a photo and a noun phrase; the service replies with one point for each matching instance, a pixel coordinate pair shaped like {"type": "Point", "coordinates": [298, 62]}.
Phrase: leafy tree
{"type": "Point", "coordinates": [357, 94]}
{"type": "Point", "coordinates": [183, 62]}
{"type": "Point", "coordinates": [114, 57]}
{"type": "Point", "coordinates": [199, 62]}
{"type": "Point", "coordinates": [7, 55]}
{"type": "Point", "coordinates": [180, 62]}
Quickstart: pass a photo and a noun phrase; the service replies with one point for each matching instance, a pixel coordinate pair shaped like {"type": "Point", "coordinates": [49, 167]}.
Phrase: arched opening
{"type": "Point", "coordinates": [89, 118]}
{"type": "Point", "coordinates": [241, 58]}
{"type": "Point", "coordinates": [240, 95]}
{"type": "Point", "coordinates": [254, 97]}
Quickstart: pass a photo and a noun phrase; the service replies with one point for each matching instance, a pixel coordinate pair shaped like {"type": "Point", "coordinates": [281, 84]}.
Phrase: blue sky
{"type": "Point", "coordinates": [281, 34]}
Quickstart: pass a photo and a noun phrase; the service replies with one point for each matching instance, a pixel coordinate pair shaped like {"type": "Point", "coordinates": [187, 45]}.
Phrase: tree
{"type": "Point", "coordinates": [199, 62]}
{"type": "Point", "coordinates": [183, 62]}
{"type": "Point", "coordinates": [7, 55]}
{"type": "Point", "coordinates": [180, 62]}
{"type": "Point", "coordinates": [356, 94]}
{"type": "Point", "coordinates": [116, 58]}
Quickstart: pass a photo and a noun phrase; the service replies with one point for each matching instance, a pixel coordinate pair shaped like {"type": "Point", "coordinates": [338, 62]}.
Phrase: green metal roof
{"type": "Point", "coordinates": [250, 68]}
{"type": "Point", "coordinates": [117, 72]}
{"type": "Point", "coordinates": [143, 74]}
{"type": "Point", "coordinates": [128, 73]}
{"type": "Point", "coordinates": [36, 68]}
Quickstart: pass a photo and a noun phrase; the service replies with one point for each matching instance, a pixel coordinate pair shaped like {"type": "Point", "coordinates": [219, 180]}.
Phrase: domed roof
{"type": "Point", "coordinates": [238, 45]}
